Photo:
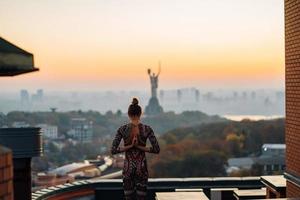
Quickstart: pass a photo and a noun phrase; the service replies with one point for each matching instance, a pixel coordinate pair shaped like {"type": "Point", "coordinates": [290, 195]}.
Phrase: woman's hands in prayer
{"type": "Point", "coordinates": [136, 144]}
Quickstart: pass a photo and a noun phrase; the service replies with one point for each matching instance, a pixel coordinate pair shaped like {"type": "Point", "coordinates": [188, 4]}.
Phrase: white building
{"type": "Point", "coordinates": [20, 124]}
{"type": "Point", "coordinates": [272, 158]}
{"type": "Point", "coordinates": [81, 129]}
{"type": "Point", "coordinates": [240, 163]}
{"type": "Point", "coordinates": [273, 150]}
{"type": "Point", "coordinates": [49, 131]}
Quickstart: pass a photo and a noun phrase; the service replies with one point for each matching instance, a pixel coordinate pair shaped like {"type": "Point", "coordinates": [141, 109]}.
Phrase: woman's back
{"type": "Point", "coordinates": [142, 132]}
{"type": "Point", "coordinates": [135, 135]}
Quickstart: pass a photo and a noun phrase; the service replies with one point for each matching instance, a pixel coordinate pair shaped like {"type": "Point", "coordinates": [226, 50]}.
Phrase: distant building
{"type": "Point", "coordinates": [267, 101]}
{"type": "Point", "coordinates": [53, 110]}
{"type": "Point", "coordinates": [49, 131]}
{"type": "Point", "coordinates": [235, 95]}
{"type": "Point", "coordinates": [20, 124]}
{"type": "Point", "coordinates": [161, 95]}
{"type": "Point", "coordinates": [208, 96]}
{"type": "Point", "coordinates": [40, 94]}
{"type": "Point", "coordinates": [24, 97]}
{"type": "Point", "coordinates": [272, 158]}
{"type": "Point", "coordinates": [239, 163]}
{"type": "Point", "coordinates": [253, 95]}
{"type": "Point", "coordinates": [179, 95]}
{"type": "Point", "coordinates": [245, 96]}
{"type": "Point", "coordinates": [273, 150]}
{"type": "Point", "coordinates": [81, 129]}
{"type": "Point", "coordinates": [2, 120]}
{"type": "Point", "coordinates": [197, 95]}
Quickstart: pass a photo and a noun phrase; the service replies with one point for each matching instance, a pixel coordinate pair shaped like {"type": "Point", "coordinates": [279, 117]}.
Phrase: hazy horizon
{"type": "Point", "coordinates": [265, 102]}
{"type": "Point", "coordinates": [108, 45]}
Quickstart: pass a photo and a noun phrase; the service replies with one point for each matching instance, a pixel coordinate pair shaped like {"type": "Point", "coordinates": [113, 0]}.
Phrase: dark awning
{"type": "Point", "coordinates": [14, 60]}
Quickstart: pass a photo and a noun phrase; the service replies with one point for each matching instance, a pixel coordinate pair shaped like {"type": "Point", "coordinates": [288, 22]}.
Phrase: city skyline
{"type": "Point", "coordinates": [91, 45]}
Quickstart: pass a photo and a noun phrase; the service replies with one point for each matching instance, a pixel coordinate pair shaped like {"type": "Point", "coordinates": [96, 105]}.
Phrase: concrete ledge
{"type": "Point", "coordinates": [108, 187]}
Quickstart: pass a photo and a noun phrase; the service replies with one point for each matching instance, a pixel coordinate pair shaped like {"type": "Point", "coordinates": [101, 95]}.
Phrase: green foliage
{"type": "Point", "coordinates": [202, 150]}
{"type": "Point", "coordinates": [247, 135]}
{"type": "Point", "coordinates": [194, 164]}
{"type": "Point", "coordinates": [108, 123]}
{"type": "Point", "coordinates": [169, 120]}
{"type": "Point", "coordinates": [192, 143]}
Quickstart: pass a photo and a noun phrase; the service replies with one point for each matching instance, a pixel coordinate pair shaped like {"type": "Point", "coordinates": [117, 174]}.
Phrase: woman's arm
{"type": "Point", "coordinates": [125, 148]}
{"type": "Point", "coordinates": [116, 142]}
{"type": "Point", "coordinates": [146, 149]}
{"type": "Point", "coordinates": [154, 143]}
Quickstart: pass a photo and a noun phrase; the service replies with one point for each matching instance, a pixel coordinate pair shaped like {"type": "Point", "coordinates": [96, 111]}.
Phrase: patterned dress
{"type": "Point", "coordinates": [135, 172]}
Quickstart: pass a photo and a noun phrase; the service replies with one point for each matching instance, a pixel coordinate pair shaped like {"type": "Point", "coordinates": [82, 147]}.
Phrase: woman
{"type": "Point", "coordinates": [135, 135]}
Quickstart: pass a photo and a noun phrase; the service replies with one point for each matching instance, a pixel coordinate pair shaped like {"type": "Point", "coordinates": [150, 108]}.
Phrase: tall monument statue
{"type": "Point", "coordinates": [154, 81]}
{"type": "Point", "coordinates": [153, 107]}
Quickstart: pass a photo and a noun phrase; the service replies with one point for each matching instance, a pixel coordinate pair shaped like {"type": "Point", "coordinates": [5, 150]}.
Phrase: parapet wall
{"type": "Point", "coordinates": [108, 188]}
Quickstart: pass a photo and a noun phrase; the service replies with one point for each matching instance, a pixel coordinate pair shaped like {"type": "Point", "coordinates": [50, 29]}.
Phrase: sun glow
{"type": "Point", "coordinates": [110, 44]}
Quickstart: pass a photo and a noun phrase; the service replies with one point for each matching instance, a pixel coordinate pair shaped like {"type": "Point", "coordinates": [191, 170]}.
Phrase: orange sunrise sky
{"type": "Point", "coordinates": [109, 44]}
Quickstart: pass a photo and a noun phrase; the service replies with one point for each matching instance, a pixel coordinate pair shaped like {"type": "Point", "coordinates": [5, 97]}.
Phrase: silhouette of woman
{"type": "Point", "coordinates": [135, 135]}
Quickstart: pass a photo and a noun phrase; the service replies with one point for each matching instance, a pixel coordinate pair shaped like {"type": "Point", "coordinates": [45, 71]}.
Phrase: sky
{"type": "Point", "coordinates": [110, 44]}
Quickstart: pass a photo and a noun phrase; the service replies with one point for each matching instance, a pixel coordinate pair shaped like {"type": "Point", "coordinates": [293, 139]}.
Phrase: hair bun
{"type": "Point", "coordinates": [135, 101]}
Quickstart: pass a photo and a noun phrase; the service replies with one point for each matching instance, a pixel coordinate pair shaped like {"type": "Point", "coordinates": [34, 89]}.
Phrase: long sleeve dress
{"type": "Point", "coordinates": [135, 172]}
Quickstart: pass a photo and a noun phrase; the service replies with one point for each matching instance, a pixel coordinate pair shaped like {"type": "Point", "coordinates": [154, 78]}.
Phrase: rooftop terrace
{"type": "Point", "coordinates": [209, 187]}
